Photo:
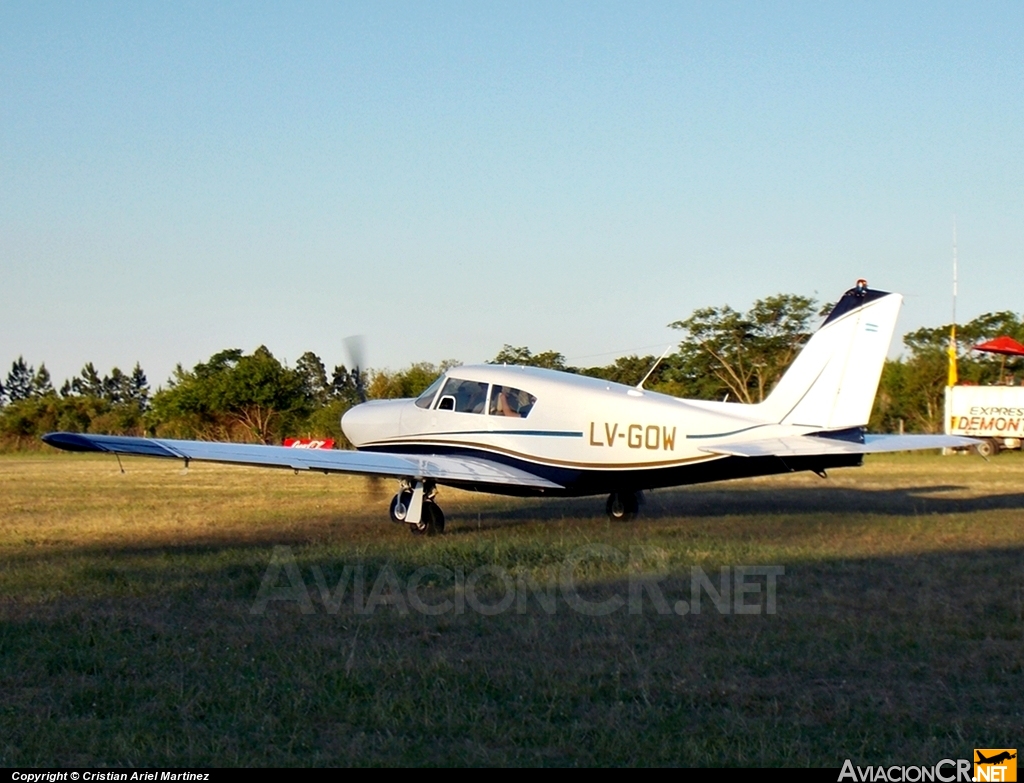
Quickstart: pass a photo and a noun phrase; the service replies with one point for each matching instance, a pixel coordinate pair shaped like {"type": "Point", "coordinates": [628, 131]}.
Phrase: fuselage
{"type": "Point", "coordinates": [586, 434]}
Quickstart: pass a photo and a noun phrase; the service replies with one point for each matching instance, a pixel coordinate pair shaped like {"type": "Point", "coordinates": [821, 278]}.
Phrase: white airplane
{"type": "Point", "coordinates": [529, 431]}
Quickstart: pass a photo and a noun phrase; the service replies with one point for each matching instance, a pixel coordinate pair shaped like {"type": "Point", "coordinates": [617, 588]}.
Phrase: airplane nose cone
{"type": "Point", "coordinates": [373, 421]}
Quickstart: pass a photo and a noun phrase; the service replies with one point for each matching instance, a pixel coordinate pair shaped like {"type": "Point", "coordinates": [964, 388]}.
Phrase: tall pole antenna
{"type": "Point", "coordinates": [952, 378]}
{"type": "Point", "coordinates": [954, 270]}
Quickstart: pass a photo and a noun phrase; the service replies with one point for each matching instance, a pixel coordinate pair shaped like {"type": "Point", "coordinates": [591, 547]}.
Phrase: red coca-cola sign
{"type": "Point", "coordinates": [309, 443]}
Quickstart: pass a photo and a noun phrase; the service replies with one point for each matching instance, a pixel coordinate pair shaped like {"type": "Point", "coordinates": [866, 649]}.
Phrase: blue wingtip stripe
{"type": "Point", "coordinates": [73, 441]}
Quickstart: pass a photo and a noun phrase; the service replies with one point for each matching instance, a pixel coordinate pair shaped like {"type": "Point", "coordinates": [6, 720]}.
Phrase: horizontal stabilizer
{"type": "Point", "coordinates": [815, 445]}
{"type": "Point", "coordinates": [443, 468]}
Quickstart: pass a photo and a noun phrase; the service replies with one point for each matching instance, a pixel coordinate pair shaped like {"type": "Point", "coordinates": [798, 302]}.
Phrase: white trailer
{"type": "Point", "coordinates": [994, 414]}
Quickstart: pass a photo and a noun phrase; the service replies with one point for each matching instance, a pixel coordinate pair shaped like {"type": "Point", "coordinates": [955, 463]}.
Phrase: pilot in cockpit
{"type": "Point", "coordinates": [508, 401]}
{"type": "Point", "coordinates": [501, 406]}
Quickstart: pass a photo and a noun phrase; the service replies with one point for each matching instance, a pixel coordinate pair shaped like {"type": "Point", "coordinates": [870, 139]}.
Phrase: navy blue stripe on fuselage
{"type": "Point", "coordinates": [595, 481]}
{"type": "Point", "coordinates": [531, 433]}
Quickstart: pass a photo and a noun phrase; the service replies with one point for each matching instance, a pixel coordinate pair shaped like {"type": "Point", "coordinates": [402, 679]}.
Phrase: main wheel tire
{"type": "Point", "coordinates": [987, 448]}
{"type": "Point", "coordinates": [622, 506]}
{"type": "Point", "coordinates": [404, 498]}
{"type": "Point", "coordinates": [431, 521]}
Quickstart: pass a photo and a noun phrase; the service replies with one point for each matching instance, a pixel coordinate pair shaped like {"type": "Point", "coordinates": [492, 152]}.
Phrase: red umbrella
{"type": "Point", "coordinates": [1004, 345]}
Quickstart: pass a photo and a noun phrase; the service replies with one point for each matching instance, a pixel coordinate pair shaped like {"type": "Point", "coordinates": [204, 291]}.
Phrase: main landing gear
{"type": "Point", "coordinates": [414, 504]}
{"type": "Point", "coordinates": [623, 506]}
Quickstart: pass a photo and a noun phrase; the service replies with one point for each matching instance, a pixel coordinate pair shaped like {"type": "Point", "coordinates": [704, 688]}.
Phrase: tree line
{"type": "Point", "coordinates": [722, 354]}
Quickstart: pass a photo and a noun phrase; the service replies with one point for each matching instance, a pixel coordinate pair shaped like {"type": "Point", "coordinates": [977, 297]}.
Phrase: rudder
{"type": "Point", "coordinates": [833, 381]}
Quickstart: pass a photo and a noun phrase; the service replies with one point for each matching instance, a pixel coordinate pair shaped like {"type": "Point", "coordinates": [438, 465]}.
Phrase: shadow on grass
{"type": "Point", "coordinates": [881, 659]}
{"type": "Point", "coordinates": [721, 502]}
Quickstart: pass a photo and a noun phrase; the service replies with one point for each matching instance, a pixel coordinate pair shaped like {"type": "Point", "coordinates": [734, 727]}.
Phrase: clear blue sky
{"type": "Point", "coordinates": [444, 178]}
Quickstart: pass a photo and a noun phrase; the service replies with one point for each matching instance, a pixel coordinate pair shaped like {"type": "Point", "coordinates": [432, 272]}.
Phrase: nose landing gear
{"type": "Point", "coordinates": [414, 505]}
{"type": "Point", "coordinates": [623, 506]}
{"type": "Point", "coordinates": [400, 505]}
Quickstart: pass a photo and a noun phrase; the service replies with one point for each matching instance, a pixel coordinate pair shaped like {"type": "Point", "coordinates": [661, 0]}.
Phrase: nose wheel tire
{"type": "Point", "coordinates": [622, 506]}
{"type": "Point", "coordinates": [400, 505]}
{"type": "Point", "coordinates": [431, 521]}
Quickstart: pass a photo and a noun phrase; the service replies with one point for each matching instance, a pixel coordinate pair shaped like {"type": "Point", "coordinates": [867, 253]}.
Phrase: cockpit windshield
{"type": "Point", "coordinates": [464, 396]}
{"type": "Point", "coordinates": [424, 400]}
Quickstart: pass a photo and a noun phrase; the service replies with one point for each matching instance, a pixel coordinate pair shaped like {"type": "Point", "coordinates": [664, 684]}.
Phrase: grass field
{"type": "Point", "coordinates": [128, 633]}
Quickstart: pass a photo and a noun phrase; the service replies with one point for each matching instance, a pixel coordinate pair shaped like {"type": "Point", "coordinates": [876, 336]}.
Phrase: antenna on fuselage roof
{"type": "Point", "coordinates": [653, 367]}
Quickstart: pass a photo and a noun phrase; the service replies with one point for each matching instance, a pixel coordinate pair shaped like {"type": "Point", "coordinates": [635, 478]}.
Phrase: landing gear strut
{"type": "Point", "coordinates": [414, 504]}
{"type": "Point", "coordinates": [431, 520]}
{"type": "Point", "coordinates": [622, 506]}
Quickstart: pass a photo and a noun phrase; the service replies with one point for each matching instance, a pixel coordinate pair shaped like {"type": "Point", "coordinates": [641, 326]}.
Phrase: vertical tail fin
{"type": "Point", "coordinates": [833, 381]}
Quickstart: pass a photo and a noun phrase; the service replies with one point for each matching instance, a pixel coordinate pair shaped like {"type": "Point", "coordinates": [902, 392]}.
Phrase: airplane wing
{"type": "Point", "coordinates": [444, 468]}
{"type": "Point", "coordinates": [815, 445]}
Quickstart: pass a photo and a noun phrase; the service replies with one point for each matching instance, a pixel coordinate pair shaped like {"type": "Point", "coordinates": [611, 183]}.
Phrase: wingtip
{"type": "Point", "coordinates": [69, 441]}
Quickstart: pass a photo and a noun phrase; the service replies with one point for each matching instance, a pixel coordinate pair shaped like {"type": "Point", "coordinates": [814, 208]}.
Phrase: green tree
{"type": "Point", "coordinates": [521, 355]}
{"type": "Point", "coordinates": [114, 405]}
{"type": "Point", "coordinates": [138, 387]}
{"type": "Point", "coordinates": [410, 382]}
{"type": "Point", "coordinates": [262, 390]}
{"type": "Point", "coordinates": [115, 386]}
{"type": "Point", "coordinates": [19, 381]}
{"type": "Point", "coordinates": [22, 423]}
{"type": "Point", "coordinates": [630, 370]}
{"type": "Point", "coordinates": [41, 384]}
{"type": "Point", "coordinates": [88, 383]}
{"type": "Point", "coordinates": [233, 394]}
{"type": "Point", "coordinates": [313, 374]}
{"type": "Point", "coordinates": [973, 366]}
{"type": "Point", "coordinates": [747, 353]}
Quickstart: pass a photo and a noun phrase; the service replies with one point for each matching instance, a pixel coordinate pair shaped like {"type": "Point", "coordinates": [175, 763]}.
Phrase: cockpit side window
{"type": "Point", "coordinates": [424, 400]}
{"type": "Point", "coordinates": [463, 396]}
{"type": "Point", "coordinates": [506, 401]}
